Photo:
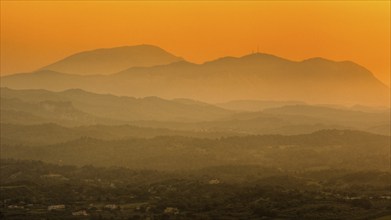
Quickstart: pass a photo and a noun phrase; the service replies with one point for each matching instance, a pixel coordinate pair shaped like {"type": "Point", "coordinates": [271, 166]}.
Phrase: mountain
{"type": "Point", "coordinates": [252, 77]}
{"type": "Point", "coordinates": [116, 108]}
{"type": "Point", "coordinates": [112, 60]}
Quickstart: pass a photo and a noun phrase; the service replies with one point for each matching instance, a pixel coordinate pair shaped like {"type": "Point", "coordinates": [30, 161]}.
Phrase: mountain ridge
{"type": "Point", "coordinates": [111, 60]}
{"type": "Point", "coordinates": [254, 76]}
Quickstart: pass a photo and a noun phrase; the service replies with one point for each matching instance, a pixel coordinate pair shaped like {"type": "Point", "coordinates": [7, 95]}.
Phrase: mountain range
{"type": "Point", "coordinates": [145, 70]}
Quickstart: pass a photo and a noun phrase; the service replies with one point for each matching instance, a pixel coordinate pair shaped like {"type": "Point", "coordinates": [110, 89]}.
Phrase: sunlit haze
{"type": "Point", "coordinates": [35, 34]}
{"type": "Point", "coordinates": [195, 110]}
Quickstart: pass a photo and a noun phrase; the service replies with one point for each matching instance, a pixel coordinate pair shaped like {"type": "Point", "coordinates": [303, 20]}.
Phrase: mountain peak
{"type": "Point", "coordinates": [253, 57]}
{"type": "Point", "coordinates": [318, 60]}
{"type": "Point", "coordinates": [112, 60]}
{"type": "Point", "coordinates": [260, 55]}
{"type": "Point", "coordinates": [263, 57]}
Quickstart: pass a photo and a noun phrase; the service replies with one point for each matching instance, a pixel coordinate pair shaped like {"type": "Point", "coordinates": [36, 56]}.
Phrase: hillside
{"type": "Point", "coordinates": [15, 111]}
{"type": "Point", "coordinates": [120, 108]}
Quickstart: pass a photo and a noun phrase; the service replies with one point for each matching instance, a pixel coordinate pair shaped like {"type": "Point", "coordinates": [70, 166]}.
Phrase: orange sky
{"type": "Point", "coordinates": [34, 34]}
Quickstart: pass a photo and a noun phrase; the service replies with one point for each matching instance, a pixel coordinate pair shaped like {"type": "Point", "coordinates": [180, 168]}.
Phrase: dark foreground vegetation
{"type": "Point", "coordinates": [37, 190]}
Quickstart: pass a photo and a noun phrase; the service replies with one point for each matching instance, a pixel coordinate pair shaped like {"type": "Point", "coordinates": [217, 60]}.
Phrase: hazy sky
{"type": "Point", "coordinates": [34, 34]}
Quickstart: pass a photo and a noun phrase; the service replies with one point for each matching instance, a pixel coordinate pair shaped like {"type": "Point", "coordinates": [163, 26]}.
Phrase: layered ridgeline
{"type": "Point", "coordinates": [141, 71]}
{"type": "Point", "coordinates": [78, 107]}
{"type": "Point", "coordinates": [83, 107]}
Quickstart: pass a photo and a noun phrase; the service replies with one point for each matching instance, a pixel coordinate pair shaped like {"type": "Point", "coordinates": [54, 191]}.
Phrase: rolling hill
{"type": "Point", "coordinates": [16, 111]}
{"type": "Point", "coordinates": [77, 107]}
{"type": "Point", "coordinates": [116, 108]}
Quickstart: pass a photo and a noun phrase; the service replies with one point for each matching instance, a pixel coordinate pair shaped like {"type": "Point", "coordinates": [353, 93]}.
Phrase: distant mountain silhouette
{"type": "Point", "coordinates": [112, 60]}
{"type": "Point", "coordinates": [255, 76]}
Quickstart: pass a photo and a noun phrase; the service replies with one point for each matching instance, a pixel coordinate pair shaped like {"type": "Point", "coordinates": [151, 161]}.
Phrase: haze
{"type": "Point", "coordinates": [198, 31]}
{"type": "Point", "coordinates": [195, 110]}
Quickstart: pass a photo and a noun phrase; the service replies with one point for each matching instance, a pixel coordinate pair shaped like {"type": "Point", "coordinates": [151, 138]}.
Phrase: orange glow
{"type": "Point", "coordinates": [34, 34]}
